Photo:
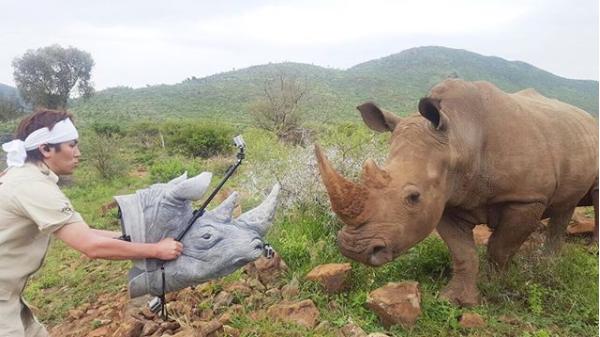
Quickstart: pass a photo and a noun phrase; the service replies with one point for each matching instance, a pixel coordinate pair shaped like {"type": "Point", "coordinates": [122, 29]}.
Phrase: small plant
{"type": "Point", "coordinates": [535, 295]}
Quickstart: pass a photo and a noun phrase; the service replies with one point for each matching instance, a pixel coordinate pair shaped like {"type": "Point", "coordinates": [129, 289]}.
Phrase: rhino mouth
{"type": "Point", "coordinates": [372, 251]}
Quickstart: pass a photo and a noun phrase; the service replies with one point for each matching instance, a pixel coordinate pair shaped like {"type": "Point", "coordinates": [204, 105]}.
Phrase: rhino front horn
{"type": "Point", "coordinates": [347, 198]}
{"type": "Point", "coordinates": [261, 217]}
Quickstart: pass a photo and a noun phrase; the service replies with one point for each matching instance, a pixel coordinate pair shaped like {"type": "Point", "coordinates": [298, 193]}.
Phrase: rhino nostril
{"type": "Point", "coordinates": [258, 246]}
{"type": "Point", "coordinates": [377, 250]}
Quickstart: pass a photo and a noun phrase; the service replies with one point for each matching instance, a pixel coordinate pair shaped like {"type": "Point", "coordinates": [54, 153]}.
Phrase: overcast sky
{"type": "Point", "coordinates": [135, 43]}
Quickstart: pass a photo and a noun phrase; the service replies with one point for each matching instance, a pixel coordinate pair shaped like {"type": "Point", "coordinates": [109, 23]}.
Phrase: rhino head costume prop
{"type": "Point", "coordinates": [215, 245]}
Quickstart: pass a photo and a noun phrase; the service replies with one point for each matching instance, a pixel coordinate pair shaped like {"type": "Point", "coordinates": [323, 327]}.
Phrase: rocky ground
{"type": "Point", "coordinates": [261, 293]}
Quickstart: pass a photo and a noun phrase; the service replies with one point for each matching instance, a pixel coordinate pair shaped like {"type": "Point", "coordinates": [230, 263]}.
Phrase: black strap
{"type": "Point", "coordinates": [163, 299]}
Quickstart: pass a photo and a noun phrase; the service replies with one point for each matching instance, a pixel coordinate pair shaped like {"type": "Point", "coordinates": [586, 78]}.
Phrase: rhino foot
{"type": "Point", "coordinates": [464, 297]}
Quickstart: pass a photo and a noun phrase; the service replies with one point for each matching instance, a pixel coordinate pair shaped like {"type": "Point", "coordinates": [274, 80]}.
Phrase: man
{"type": "Point", "coordinates": [32, 207]}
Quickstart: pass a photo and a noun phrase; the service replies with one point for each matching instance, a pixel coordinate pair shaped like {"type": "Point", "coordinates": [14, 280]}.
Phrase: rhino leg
{"type": "Point", "coordinates": [517, 221]}
{"type": "Point", "coordinates": [556, 229]}
{"type": "Point", "coordinates": [457, 232]}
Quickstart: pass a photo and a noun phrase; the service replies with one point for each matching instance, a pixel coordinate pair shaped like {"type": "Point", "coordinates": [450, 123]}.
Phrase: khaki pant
{"type": "Point", "coordinates": [16, 319]}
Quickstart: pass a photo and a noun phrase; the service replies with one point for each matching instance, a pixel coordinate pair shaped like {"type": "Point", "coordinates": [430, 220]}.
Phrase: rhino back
{"type": "Point", "coordinates": [528, 147]}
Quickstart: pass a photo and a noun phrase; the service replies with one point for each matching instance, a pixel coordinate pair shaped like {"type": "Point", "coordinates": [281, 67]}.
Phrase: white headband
{"type": "Point", "coordinates": [62, 131]}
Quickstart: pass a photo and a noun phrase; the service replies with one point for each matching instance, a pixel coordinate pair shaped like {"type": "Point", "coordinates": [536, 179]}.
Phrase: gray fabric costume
{"type": "Point", "coordinates": [215, 245]}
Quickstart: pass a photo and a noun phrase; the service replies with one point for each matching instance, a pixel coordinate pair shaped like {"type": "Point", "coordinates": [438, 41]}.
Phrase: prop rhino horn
{"type": "Point", "coordinates": [179, 179]}
{"type": "Point", "coordinates": [261, 217]}
{"type": "Point", "coordinates": [224, 211]}
{"type": "Point", "coordinates": [347, 198]}
{"type": "Point", "coordinates": [189, 189]}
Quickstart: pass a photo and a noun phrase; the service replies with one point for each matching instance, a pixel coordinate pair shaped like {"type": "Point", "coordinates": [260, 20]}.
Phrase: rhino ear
{"type": "Point", "coordinates": [377, 119]}
{"type": "Point", "coordinates": [179, 179]}
{"type": "Point", "coordinates": [191, 189]}
{"type": "Point", "coordinates": [430, 108]}
{"type": "Point", "coordinates": [261, 217]}
{"type": "Point", "coordinates": [224, 211]}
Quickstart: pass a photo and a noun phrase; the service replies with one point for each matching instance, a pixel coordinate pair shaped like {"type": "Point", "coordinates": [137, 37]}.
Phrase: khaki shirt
{"type": "Point", "coordinates": [31, 208]}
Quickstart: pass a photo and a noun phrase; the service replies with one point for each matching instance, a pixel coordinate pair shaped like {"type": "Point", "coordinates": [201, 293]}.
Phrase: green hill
{"type": "Point", "coordinates": [396, 82]}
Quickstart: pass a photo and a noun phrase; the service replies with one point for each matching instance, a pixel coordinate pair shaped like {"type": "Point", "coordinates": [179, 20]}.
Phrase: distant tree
{"type": "Point", "coordinates": [46, 76]}
{"type": "Point", "coordinates": [278, 110]}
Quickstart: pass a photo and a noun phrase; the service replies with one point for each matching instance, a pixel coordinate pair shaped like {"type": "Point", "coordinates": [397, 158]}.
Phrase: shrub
{"type": "Point", "coordinates": [198, 139]}
{"type": "Point", "coordinates": [166, 169]}
{"type": "Point", "coordinates": [104, 155]}
{"type": "Point", "coordinates": [107, 129]}
{"type": "Point", "coordinates": [147, 135]}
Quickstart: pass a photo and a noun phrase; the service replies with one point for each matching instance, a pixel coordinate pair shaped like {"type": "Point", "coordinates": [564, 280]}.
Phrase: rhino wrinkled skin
{"type": "Point", "coordinates": [216, 244]}
{"type": "Point", "coordinates": [474, 154]}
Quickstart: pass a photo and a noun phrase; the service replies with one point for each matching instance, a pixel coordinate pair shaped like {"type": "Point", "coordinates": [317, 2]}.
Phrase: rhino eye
{"type": "Point", "coordinates": [413, 197]}
{"type": "Point", "coordinates": [206, 236]}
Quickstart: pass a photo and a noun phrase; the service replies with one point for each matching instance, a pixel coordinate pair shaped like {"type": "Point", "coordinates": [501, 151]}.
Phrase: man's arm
{"type": "Point", "coordinates": [81, 237]}
{"type": "Point", "coordinates": [105, 233]}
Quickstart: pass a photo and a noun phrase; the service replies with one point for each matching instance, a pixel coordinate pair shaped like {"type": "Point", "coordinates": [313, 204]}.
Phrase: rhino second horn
{"type": "Point", "coordinates": [347, 198]}
{"type": "Point", "coordinates": [224, 211]}
{"type": "Point", "coordinates": [191, 189]}
{"type": "Point", "coordinates": [261, 217]}
{"type": "Point", "coordinates": [373, 176]}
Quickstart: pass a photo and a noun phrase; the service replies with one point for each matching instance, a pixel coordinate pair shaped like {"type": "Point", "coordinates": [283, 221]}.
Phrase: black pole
{"type": "Point", "coordinates": [200, 211]}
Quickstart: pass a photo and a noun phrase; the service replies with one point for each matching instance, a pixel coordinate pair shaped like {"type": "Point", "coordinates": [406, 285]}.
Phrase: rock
{"type": "Point", "coordinates": [187, 332]}
{"type": "Point", "coordinates": [396, 303]}
{"type": "Point", "coordinates": [223, 299]}
{"type": "Point", "coordinates": [353, 330]}
{"type": "Point", "coordinates": [303, 313]}
{"type": "Point", "coordinates": [170, 325]}
{"type": "Point", "coordinates": [225, 318]}
{"type": "Point", "coordinates": [291, 289]}
{"type": "Point", "coordinates": [274, 294]}
{"type": "Point", "coordinates": [333, 276]}
{"type": "Point", "coordinates": [581, 223]}
{"type": "Point", "coordinates": [239, 289]}
{"type": "Point", "coordinates": [150, 328]}
{"type": "Point", "coordinates": [99, 332]}
{"type": "Point", "coordinates": [210, 329]}
{"type": "Point", "coordinates": [268, 271]}
{"type": "Point", "coordinates": [256, 285]}
{"type": "Point", "coordinates": [206, 314]}
{"type": "Point", "coordinates": [130, 328]}
{"type": "Point", "coordinates": [231, 331]}
{"type": "Point", "coordinates": [179, 308]}
{"type": "Point", "coordinates": [76, 314]}
{"type": "Point", "coordinates": [481, 234]}
{"type": "Point", "coordinates": [254, 301]}
{"type": "Point", "coordinates": [134, 307]}
{"type": "Point", "coordinates": [471, 320]}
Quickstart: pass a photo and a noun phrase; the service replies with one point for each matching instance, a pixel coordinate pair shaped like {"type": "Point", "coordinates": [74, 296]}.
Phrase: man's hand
{"type": "Point", "coordinates": [168, 249]}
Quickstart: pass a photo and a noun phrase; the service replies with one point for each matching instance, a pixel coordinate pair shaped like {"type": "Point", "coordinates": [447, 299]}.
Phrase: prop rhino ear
{"type": "Point", "coordinates": [224, 211]}
{"type": "Point", "coordinates": [191, 189]}
{"type": "Point", "coordinates": [179, 179]}
{"type": "Point", "coordinates": [261, 217]}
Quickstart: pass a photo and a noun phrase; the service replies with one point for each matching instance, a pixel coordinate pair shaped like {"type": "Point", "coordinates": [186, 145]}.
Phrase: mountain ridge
{"type": "Point", "coordinates": [395, 82]}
